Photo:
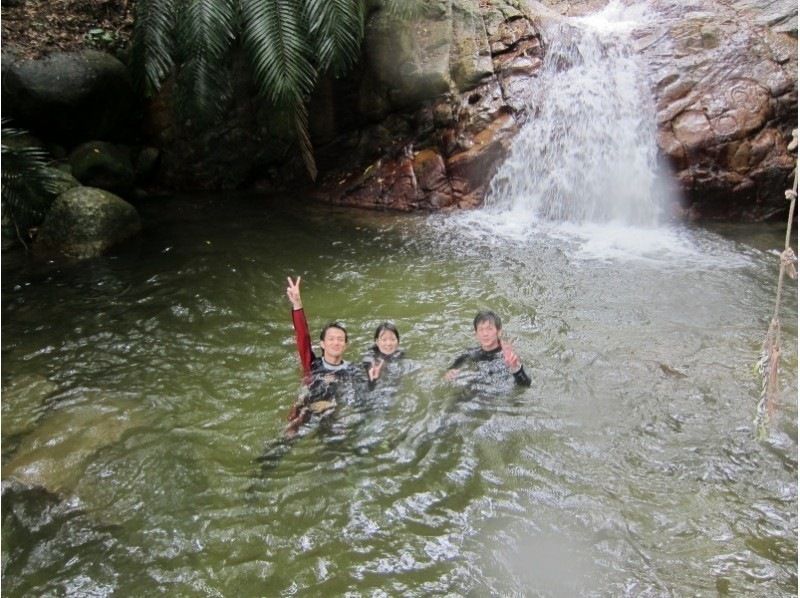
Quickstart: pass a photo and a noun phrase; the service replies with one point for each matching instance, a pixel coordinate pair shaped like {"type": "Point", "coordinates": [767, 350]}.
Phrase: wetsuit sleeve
{"type": "Point", "coordinates": [521, 378]}
{"type": "Point", "coordinates": [303, 340]}
{"type": "Point", "coordinates": [460, 361]}
{"type": "Point", "coordinates": [366, 364]}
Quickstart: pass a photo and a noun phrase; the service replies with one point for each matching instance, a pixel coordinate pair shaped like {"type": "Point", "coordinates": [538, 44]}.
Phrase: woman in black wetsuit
{"type": "Point", "coordinates": [385, 350]}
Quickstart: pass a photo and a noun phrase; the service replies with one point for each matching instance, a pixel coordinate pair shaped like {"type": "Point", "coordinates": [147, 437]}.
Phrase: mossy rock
{"type": "Point", "coordinates": [103, 165]}
{"type": "Point", "coordinates": [85, 222]}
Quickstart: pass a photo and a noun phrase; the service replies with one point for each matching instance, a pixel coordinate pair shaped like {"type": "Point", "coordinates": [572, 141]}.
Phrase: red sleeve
{"type": "Point", "coordinates": [303, 340]}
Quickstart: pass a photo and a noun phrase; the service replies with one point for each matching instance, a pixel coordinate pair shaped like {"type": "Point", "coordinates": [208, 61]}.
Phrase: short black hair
{"type": "Point", "coordinates": [330, 325]}
{"type": "Point", "coordinates": [487, 315]}
{"type": "Point", "coordinates": [384, 327]}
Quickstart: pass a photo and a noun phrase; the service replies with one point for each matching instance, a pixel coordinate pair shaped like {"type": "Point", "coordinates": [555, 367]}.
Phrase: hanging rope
{"type": "Point", "coordinates": [769, 362]}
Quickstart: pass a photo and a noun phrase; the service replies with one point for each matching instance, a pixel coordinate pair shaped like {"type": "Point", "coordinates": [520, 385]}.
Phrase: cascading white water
{"type": "Point", "coordinates": [588, 151]}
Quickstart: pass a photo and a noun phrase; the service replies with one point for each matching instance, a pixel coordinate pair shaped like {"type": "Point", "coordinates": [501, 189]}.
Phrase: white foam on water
{"type": "Point", "coordinates": [618, 242]}
{"type": "Point", "coordinates": [658, 246]}
{"type": "Point", "coordinates": [616, 18]}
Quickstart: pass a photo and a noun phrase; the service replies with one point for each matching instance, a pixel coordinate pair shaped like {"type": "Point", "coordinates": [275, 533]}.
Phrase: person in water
{"type": "Point", "coordinates": [385, 350]}
{"type": "Point", "coordinates": [491, 355]}
{"type": "Point", "coordinates": [324, 376]}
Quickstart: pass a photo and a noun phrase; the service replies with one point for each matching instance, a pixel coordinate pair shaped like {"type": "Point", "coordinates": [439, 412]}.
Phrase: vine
{"type": "Point", "coordinates": [769, 362]}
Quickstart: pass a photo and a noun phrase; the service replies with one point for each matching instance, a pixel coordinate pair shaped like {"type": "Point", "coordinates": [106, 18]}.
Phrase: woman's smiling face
{"type": "Point", "coordinates": [387, 342]}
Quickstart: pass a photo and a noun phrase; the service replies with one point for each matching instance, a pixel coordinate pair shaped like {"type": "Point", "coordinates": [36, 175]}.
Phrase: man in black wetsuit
{"type": "Point", "coordinates": [491, 357]}
{"type": "Point", "coordinates": [325, 377]}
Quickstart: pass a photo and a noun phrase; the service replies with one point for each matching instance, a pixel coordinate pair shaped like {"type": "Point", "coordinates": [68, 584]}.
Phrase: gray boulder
{"type": "Point", "coordinates": [85, 222]}
{"type": "Point", "coordinates": [69, 96]}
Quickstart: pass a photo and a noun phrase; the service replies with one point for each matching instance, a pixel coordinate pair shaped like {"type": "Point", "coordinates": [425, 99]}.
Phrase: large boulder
{"type": "Point", "coordinates": [461, 73]}
{"type": "Point", "coordinates": [103, 165]}
{"type": "Point", "coordinates": [69, 96]}
{"type": "Point", "coordinates": [410, 57]}
{"type": "Point", "coordinates": [725, 84]}
{"type": "Point", "coordinates": [85, 222]}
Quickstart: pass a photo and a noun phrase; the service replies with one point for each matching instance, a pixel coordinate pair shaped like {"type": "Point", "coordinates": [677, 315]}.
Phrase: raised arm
{"type": "Point", "coordinates": [301, 334]}
{"type": "Point", "coordinates": [514, 365]}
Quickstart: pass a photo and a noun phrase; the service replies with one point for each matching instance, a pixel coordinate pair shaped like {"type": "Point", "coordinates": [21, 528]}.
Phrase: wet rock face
{"type": "Point", "coordinates": [723, 77]}
{"type": "Point", "coordinates": [725, 84]}
{"type": "Point", "coordinates": [447, 87]}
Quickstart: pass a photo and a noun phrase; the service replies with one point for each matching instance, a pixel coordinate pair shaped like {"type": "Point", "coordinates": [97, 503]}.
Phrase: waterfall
{"type": "Point", "coordinates": [587, 153]}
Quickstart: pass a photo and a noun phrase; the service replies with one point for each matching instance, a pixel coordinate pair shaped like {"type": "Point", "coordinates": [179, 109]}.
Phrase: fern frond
{"type": "Point", "coordinates": [153, 42]}
{"type": "Point", "coordinates": [27, 185]}
{"type": "Point", "coordinates": [337, 28]}
{"type": "Point", "coordinates": [206, 30]}
{"type": "Point", "coordinates": [275, 40]}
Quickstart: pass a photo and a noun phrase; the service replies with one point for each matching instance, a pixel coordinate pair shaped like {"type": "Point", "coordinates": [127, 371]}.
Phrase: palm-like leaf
{"type": "Point", "coordinates": [154, 42]}
{"type": "Point", "coordinates": [275, 39]}
{"type": "Point", "coordinates": [336, 27]}
{"type": "Point", "coordinates": [288, 43]}
{"type": "Point", "coordinates": [27, 185]}
{"type": "Point", "coordinates": [206, 30]}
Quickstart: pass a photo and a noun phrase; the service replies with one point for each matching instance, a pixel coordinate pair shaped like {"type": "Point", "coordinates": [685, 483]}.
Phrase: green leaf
{"type": "Point", "coordinates": [206, 30]}
{"type": "Point", "coordinates": [154, 39]}
{"type": "Point", "coordinates": [337, 28]}
{"type": "Point", "coordinates": [28, 187]}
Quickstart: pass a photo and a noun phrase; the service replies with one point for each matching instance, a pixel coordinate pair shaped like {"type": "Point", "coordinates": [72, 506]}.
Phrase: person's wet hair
{"type": "Point", "coordinates": [384, 327]}
{"type": "Point", "coordinates": [330, 325]}
{"type": "Point", "coordinates": [487, 315]}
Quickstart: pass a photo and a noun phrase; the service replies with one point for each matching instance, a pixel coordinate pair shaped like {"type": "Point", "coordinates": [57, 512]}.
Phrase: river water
{"type": "Point", "coordinates": [143, 390]}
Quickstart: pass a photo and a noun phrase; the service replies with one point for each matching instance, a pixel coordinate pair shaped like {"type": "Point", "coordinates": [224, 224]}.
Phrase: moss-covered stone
{"type": "Point", "coordinates": [103, 165]}
{"type": "Point", "coordinates": [85, 222]}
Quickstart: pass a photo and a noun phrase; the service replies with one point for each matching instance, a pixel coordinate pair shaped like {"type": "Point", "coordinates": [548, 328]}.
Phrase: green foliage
{"type": "Point", "coordinates": [288, 43]}
{"type": "Point", "coordinates": [102, 39]}
{"type": "Point", "coordinates": [27, 185]}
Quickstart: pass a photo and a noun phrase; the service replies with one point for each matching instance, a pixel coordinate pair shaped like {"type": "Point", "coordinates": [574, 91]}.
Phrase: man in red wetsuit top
{"type": "Point", "coordinates": [325, 375]}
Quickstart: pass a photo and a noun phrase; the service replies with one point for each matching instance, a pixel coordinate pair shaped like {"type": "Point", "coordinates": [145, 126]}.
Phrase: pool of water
{"type": "Point", "coordinates": [145, 395]}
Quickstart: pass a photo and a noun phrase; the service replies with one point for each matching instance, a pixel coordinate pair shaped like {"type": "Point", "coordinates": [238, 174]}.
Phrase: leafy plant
{"type": "Point", "coordinates": [102, 39]}
{"type": "Point", "coordinates": [287, 43]}
{"type": "Point", "coordinates": [28, 186]}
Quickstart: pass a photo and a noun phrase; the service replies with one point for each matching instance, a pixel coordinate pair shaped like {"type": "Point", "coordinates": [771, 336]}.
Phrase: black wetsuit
{"type": "Point", "coordinates": [389, 369]}
{"type": "Point", "coordinates": [327, 382]}
{"type": "Point", "coordinates": [491, 366]}
{"type": "Point", "coordinates": [323, 381]}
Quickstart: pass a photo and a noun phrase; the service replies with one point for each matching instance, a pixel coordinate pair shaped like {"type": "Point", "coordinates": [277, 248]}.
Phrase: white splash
{"type": "Point", "coordinates": [588, 151]}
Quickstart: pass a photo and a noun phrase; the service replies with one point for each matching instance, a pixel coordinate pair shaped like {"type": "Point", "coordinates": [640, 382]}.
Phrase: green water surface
{"type": "Point", "coordinates": [142, 389]}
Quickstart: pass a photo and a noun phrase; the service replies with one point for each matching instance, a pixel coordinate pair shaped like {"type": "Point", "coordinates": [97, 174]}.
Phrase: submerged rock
{"type": "Point", "coordinates": [23, 398]}
{"type": "Point", "coordinates": [54, 454]}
